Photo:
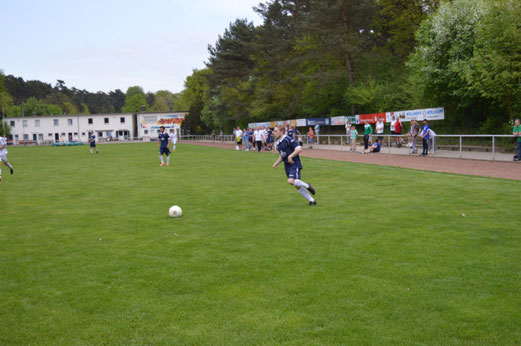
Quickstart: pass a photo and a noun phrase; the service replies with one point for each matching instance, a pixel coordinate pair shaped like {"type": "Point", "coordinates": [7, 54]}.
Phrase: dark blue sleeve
{"type": "Point", "coordinates": [293, 143]}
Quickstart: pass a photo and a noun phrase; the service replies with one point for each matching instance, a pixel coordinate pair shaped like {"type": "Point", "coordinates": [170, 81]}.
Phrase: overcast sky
{"type": "Point", "coordinates": [113, 44]}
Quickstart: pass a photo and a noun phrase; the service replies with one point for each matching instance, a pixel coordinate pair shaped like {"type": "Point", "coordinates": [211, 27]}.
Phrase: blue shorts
{"type": "Point", "coordinates": [164, 151]}
{"type": "Point", "coordinates": [292, 172]}
{"type": "Point", "coordinates": [92, 144]}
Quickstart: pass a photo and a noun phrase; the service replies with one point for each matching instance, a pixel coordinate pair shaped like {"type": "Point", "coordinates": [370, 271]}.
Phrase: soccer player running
{"type": "Point", "coordinates": [3, 156]}
{"type": "Point", "coordinates": [164, 144]}
{"type": "Point", "coordinates": [289, 150]}
{"type": "Point", "coordinates": [92, 142]}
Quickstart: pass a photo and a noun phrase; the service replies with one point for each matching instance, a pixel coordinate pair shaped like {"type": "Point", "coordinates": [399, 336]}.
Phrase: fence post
{"type": "Point", "coordinates": [389, 143]}
{"type": "Point", "coordinates": [341, 143]}
{"type": "Point", "coordinates": [460, 147]}
{"type": "Point", "coordinates": [493, 147]}
{"type": "Point", "coordinates": [328, 142]}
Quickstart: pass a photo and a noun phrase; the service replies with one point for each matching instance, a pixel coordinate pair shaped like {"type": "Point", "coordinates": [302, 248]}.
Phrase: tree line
{"type": "Point", "coordinates": [26, 98]}
{"type": "Point", "coordinates": [322, 58]}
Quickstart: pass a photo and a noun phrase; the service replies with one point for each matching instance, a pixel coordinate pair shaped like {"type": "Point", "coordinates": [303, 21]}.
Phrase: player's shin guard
{"type": "Point", "coordinates": [300, 183]}
{"type": "Point", "coordinates": [91, 151]}
{"type": "Point", "coordinates": [306, 194]}
{"type": "Point", "coordinates": [161, 158]}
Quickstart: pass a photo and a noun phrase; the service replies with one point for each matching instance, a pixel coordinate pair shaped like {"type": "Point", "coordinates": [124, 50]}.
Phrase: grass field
{"type": "Point", "coordinates": [88, 253]}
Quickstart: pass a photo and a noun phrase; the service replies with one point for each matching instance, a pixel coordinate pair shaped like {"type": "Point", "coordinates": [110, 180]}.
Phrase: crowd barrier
{"type": "Point", "coordinates": [481, 147]}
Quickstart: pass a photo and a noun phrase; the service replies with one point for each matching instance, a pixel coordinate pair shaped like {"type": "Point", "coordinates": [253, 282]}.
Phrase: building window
{"type": "Point", "coordinates": [69, 122]}
{"type": "Point", "coordinates": [37, 123]}
{"type": "Point", "coordinates": [122, 120]}
{"type": "Point", "coordinates": [146, 132]}
{"type": "Point", "coordinates": [49, 134]}
{"type": "Point", "coordinates": [56, 122]}
{"type": "Point", "coordinates": [83, 133]}
{"type": "Point", "coordinates": [26, 137]}
{"type": "Point", "coordinates": [75, 133]}
{"type": "Point", "coordinates": [106, 120]}
{"type": "Point", "coordinates": [25, 123]}
{"type": "Point", "coordinates": [12, 123]}
{"type": "Point", "coordinates": [90, 121]}
{"type": "Point", "coordinates": [100, 134]}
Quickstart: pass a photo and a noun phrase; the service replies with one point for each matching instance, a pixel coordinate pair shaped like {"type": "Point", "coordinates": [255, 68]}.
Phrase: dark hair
{"type": "Point", "coordinates": [161, 127]}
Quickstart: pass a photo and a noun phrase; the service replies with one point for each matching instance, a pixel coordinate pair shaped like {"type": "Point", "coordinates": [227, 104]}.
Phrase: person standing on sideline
{"type": "Point", "coordinates": [221, 134]}
{"type": "Point", "coordinates": [3, 156]}
{"type": "Point", "coordinates": [238, 138]}
{"type": "Point", "coordinates": [258, 139]}
{"type": "Point", "coordinates": [411, 136]}
{"type": "Point", "coordinates": [517, 134]}
{"type": "Point", "coordinates": [425, 137]}
{"type": "Point", "coordinates": [354, 134]}
{"type": "Point", "coordinates": [379, 129]}
{"type": "Point", "coordinates": [348, 131]}
{"type": "Point", "coordinates": [289, 150]}
{"type": "Point", "coordinates": [163, 145]}
{"type": "Point", "coordinates": [317, 132]}
{"type": "Point", "coordinates": [92, 142]}
{"type": "Point", "coordinates": [311, 135]}
{"type": "Point", "coordinates": [368, 131]}
{"type": "Point", "coordinates": [398, 132]}
{"type": "Point", "coordinates": [392, 127]}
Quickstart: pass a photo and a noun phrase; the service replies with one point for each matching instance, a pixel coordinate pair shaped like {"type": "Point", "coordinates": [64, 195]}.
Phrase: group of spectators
{"type": "Point", "coordinates": [371, 146]}
{"type": "Point", "coordinates": [261, 138]}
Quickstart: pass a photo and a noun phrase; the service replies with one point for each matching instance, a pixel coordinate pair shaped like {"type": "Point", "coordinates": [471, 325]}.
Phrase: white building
{"type": "Point", "coordinates": [68, 128]}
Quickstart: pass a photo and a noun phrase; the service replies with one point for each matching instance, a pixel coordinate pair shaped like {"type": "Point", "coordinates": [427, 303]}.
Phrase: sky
{"type": "Point", "coordinates": [113, 44]}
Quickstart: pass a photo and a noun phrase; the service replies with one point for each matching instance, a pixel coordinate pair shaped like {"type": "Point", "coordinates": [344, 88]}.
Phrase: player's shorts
{"type": "Point", "coordinates": [93, 144]}
{"type": "Point", "coordinates": [3, 157]}
{"type": "Point", "coordinates": [310, 140]}
{"type": "Point", "coordinates": [375, 150]}
{"type": "Point", "coordinates": [292, 172]}
{"type": "Point", "coordinates": [164, 151]}
{"type": "Point", "coordinates": [239, 142]}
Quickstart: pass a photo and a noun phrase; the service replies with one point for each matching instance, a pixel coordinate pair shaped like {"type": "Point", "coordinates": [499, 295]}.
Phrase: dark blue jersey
{"type": "Point", "coordinates": [92, 139]}
{"type": "Point", "coordinates": [163, 138]}
{"type": "Point", "coordinates": [290, 133]}
{"type": "Point", "coordinates": [286, 146]}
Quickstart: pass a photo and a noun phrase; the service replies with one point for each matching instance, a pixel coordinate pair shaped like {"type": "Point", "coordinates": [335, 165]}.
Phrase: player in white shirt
{"type": "Point", "coordinates": [173, 136]}
{"type": "Point", "coordinates": [3, 156]}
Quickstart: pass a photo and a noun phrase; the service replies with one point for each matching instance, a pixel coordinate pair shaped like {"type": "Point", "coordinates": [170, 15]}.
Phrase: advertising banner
{"type": "Point", "coordinates": [418, 114]}
{"type": "Point", "coordinates": [338, 120]}
{"type": "Point", "coordinates": [155, 121]}
{"type": "Point", "coordinates": [320, 121]}
{"type": "Point", "coordinates": [301, 122]}
{"type": "Point", "coordinates": [370, 118]}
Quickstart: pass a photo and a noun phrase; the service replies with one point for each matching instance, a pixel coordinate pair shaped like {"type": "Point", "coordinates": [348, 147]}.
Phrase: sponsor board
{"type": "Point", "coordinates": [320, 121]}
{"type": "Point", "coordinates": [301, 122]}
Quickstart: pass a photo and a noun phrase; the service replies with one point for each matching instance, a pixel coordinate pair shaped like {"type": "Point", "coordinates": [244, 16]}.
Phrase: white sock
{"type": "Point", "coordinates": [168, 159]}
{"type": "Point", "coordinates": [300, 183]}
{"type": "Point", "coordinates": [9, 165]}
{"type": "Point", "coordinates": [306, 194]}
{"type": "Point", "coordinates": [161, 158]}
{"type": "Point", "coordinates": [91, 151]}
{"type": "Point", "coordinates": [0, 170]}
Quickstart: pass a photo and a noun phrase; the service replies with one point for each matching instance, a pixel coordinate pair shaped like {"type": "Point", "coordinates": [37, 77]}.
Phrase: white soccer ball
{"type": "Point", "coordinates": [175, 211]}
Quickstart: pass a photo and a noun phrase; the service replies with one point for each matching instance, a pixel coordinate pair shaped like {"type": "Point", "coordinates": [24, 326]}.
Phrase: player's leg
{"type": "Point", "coordinates": [294, 179]}
{"type": "Point", "coordinates": [161, 156]}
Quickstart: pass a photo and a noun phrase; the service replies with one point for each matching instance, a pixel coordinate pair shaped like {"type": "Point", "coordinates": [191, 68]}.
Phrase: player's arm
{"type": "Point", "coordinates": [279, 160]}
{"type": "Point", "coordinates": [295, 152]}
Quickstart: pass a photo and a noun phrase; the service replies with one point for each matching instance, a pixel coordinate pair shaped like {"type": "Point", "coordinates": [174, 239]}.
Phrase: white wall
{"type": "Point", "coordinates": [45, 127]}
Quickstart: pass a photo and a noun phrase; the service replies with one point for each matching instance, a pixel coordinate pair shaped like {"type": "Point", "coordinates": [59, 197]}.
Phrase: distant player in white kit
{"type": "Point", "coordinates": [173, 138]}
{"type": "Point", "coordinates": [3, 156]}
{"type": "Point", "coordinates": [289, 150]}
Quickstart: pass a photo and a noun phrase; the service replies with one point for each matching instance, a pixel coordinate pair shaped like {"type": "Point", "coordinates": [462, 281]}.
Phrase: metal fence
{"type": "Point", "coordinates": [481, 147]}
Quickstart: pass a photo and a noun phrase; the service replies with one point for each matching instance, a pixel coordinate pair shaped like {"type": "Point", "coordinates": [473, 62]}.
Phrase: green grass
{"type": "Point", "coordinates": [89, 255]}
